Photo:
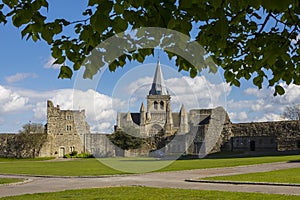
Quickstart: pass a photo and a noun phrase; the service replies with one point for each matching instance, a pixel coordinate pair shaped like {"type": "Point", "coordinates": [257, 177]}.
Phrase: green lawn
{"type": "Point", "coordinates": [10, 180]}
{"type": "Point", "coordinates": [149, 193]}
{"type": "Point", "coordinates": [278, 176]}
{"type": "Point", "coordinates": [90, 167]}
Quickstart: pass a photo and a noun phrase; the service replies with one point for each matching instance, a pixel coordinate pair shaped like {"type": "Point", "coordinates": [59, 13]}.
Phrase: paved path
{"type": "Point", "coordinates": [159, 179]}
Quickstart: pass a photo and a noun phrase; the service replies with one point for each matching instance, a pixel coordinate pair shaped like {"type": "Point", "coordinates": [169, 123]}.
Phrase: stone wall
{"type": "Point", "coordinates": [99, 145]}
{"type": "Point", "coordinates": [21, 145]}
{"type": "Point", "coordinates": [287, 133]}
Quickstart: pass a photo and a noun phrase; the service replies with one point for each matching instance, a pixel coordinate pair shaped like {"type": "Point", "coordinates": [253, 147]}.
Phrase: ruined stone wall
{"type": "Point", "coordinates": [21, 145]}
{"type": "Point", "coordinates": [286, 132]}
{"type": "Point", "coordinates": [99, 145]}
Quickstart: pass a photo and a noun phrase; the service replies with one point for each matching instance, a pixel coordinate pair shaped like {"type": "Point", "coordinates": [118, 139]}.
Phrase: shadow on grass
{"type": "Point", "coordinates": [250, 154]}
{"type": "Point", "coordinates": [294, 161]}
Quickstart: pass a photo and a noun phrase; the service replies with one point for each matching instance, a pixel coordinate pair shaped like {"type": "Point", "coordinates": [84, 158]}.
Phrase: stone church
{"type": "Point", "coordinates": [157, 117]}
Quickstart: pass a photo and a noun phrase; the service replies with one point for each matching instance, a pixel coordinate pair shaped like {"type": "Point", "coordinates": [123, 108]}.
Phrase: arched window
{"type": "Point", "coordinates": [155, 129]}
{"type": "Point", "coordinates": [161, 105]}
{"type": "Point", "coordinates": [155, 105]}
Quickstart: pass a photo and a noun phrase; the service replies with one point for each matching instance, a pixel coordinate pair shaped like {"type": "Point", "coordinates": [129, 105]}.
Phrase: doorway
{"type": "Point", "coordinates": [252, 145]}
{"type": "Point", "coordinates": [61, 152]}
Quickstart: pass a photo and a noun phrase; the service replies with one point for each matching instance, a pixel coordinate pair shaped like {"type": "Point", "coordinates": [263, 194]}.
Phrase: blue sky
{"type": "Point", "coordinates": [28, 79]}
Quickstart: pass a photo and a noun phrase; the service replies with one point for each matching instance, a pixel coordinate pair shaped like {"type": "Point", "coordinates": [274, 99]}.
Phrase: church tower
{"type": "Point", "coordinates": [158, 104]}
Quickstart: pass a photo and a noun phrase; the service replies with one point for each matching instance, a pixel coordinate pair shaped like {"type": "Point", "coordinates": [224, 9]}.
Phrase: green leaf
{"type": "Point", "coordinates": [236, 82]}
{"type": "Point", "coordinates": [19, 19]}
{"type": "Point", "coordinates": [76, 66]}
{"type": "Point", "coordinates": [258, 81]}
{"type": "Point", "coordinates": [93, 2]}
{"type": "Point", "coordinates": [229, 76]}
{"type": "Point", "coordinates": [35, 37]}
{"type": "Point", "coordinates": [279, 90]}
{"type": "Point", "coordinates": [65, 72]}
{"type": "Point", "coordinates": [11, 3]}
{"type": "Point", "coordinates": [119, 24]}
{"type": "Point", "coordinates": [119, 9]}
{"type": "Point", "coordinates": [56, 52]}
{"type": "Point", "coordinates": [60, 60]}
{"type": "Point", "coordinates": [113, 66]}
{"type": "Point", "coordinates": [100, 22]}
{"type": "Point", "coordinates": [193, 72]}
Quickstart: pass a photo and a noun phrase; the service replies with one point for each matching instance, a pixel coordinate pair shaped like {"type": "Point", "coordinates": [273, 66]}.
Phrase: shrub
{"type": "Point", "coordinates": [74, 154]}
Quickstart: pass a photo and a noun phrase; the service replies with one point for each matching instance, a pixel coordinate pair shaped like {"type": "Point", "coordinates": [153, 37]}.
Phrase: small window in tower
{"type": "Point", "coordinates": [69, 128]}
{"type": "Point", "coordinates": [155, 105]}
{"type": "Point", "coordinates": [69, 117]}
{"type": "Point", "coordinates": [161, 105]}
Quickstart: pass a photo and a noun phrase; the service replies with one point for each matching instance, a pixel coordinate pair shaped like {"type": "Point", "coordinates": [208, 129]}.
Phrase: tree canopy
{"type": "Point", "coordinates": [126, 140]}
{"type": "Point", "coordinates": [254, 40]}
{"type": "Point", "coordinates": [32, 128]}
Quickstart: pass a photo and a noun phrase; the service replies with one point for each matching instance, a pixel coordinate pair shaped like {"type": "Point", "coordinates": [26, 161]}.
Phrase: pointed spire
{"type": "Point", "coordinates": [158, 84]}
{"type": "Point", "coordinates": [142, 109]}
{"type": "Point", "coordinates": [182, 110]}
{"type": "Point", "coordinates": [128, 116]}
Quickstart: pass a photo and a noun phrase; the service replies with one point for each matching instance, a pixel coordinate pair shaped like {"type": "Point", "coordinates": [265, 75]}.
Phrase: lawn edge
{"type": "Point", "coordinates": [243, 182]}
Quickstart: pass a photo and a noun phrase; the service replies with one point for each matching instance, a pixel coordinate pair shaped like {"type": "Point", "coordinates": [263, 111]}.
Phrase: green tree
{"type": "Point", "coordinates": [246, 38]}
{"type": "Point", "coordinates": [125, 141]}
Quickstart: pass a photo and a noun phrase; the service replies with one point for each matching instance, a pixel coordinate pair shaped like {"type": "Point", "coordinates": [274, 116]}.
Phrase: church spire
{"type": "Point", "coordinates": [158, 84]}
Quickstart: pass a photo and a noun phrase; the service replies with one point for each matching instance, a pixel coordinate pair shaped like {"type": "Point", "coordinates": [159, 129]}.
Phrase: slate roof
{"type": "Point", "coordinates": [158, 84]}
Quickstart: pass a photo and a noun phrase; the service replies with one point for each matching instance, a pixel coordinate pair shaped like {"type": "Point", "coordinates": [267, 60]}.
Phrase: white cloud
{"type": "Point", "coordinates": [101, 110]}
{"type": "Point", "coordinates": [269, 117]}
{"type": "Point", "coordinates": [20, 76]}
{"type": "Point", "coordinates": [11, 101]}
{"type": "Point", "coordinates": [243, 116]}
{"type": "Point", "coordinates": [192, 92]}
{"type": "Point", "coordinates": [261, 105]}
{"type": "Point", "coordinates": [49, 64]}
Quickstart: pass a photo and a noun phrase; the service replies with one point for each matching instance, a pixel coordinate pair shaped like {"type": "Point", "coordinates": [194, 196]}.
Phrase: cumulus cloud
{"type": "Point", "coordinates": [101, 110]}
{"type": "Point", "coordinates": [243, 116]}
{"type": "Point", "coordinates": [49, 64]}
{"type": "Point", "coordinates": [261, 105]}
{"type": "Point", "coordinates": [19, 76]}
{"type": "Point", "coordinates": [11, 101]}
{"type": "Point", "coordinates": [192, 92]}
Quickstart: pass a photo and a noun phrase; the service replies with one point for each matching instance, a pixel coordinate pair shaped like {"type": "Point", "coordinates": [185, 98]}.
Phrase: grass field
{"type": "Point", "coordinates": [149, 193]}
{"type": "Point", "coordinates": [278, 176]}
{"type": "Point", "coordinates": [92, 167]}
{"type": "Point", "coordinates": [10, 180]}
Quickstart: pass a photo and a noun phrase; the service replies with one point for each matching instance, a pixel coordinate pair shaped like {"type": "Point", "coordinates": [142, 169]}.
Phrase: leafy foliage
{"type": "Point", "coordinates": [74, 154]}
{"type": "Point", "coordinates": [125, 141]}
{"type": "Point", "coordinates": [246, 38]}
{"type": "Point", "coordinates": [292, 112]}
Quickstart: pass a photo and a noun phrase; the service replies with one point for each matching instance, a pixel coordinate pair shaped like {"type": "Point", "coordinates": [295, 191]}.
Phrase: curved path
{"type": "Point", "coordinates": [158, 179]}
